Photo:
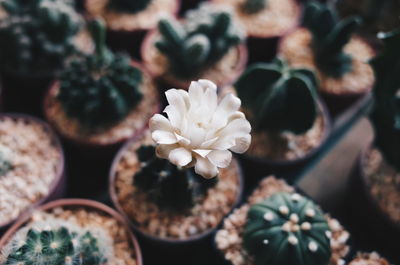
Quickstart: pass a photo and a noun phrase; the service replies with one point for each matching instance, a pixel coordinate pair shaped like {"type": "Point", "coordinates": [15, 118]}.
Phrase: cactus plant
{"type": "Point", "coordinates": [254, 6]}
{"type": "Point", "coordinates": [287, 229]}
{"type": "Point", "coordinates": [201, 41]}
{"type": "Point", "coordinates": [279, 98]}
{"type": "Point", "coordinates": [386, 112]}
{"type": "Point", "coordinates": [329, 36]}
{"type": "Point", "coordinates": [169, 186]}
{"type": "Point", "coordinates": [37, 35]}
{"type": "Point", "coordinates": [100, 90]}
{"type": "Point", "coordinates": [129, 6]}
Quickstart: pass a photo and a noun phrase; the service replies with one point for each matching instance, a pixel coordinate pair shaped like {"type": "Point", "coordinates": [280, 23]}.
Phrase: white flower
{"type": "Point", "coordinates": [199, 131]}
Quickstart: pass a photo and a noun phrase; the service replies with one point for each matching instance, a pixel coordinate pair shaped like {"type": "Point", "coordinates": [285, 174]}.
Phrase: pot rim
{"type": "Point", "coordinates": [90, 204]}
{"type": "Point", "coordinates": [60, 172]}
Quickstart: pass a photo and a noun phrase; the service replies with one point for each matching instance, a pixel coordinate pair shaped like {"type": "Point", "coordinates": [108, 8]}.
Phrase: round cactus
{"type": "Point", "coordinates": [100, 90]}
{"type": "Point", "coordinates": [287, 229]}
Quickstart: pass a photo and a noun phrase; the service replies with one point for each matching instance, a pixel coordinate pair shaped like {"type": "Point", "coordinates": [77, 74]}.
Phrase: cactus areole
{"type": "Point", "coordinates": [287, 229]}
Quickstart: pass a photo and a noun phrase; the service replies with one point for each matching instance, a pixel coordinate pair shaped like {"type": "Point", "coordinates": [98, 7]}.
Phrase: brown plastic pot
{"type": "Point", "coordinates": [256, 167]}
{"type": "Point", "coordinates": [167, 83]}
{"type": "Point", "coordinates": [77, 203]}
{"type": "Point", "coordinates": [58, 185]}
{"type": "Point", "coordinates": [154, 240]}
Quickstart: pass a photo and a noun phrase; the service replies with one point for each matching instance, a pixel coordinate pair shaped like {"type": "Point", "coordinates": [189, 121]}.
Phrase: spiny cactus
{"type": "Point", "coordinates": [90, 252]}
{"type": "Point", "coordinates": [329, 36]}
{"type": "Point", "coordinates": [101, 89]}
{"type": "Point", "coordinates": [202, 40]}
{"type": "Point", "coordinates": [129, 6]}
{"type": "Point", "coordinates": [254, 6]}
{"type": "Point", "coordinates": [386, 112]}
{"type": "Point", "coordinates": [287, 229]}
{"type": "Point", "coordinates": [169, 186]}
{"type": "Point", "coordinates": [37, 35]}
{"type": "Point", "coordinates": [278, 97]}
{"type": "Point", "coordinates": [5, 163]}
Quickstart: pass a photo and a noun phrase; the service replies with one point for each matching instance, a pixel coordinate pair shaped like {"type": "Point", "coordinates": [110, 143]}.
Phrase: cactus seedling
{"type": "Point", "coordinates": [129, 6]}
{"type": "Point", "coordinates": [201, 41]}
{"type": "Point", "coordinates": [287, 229]}
{"type": "Point", "coordinates": [329, 36]}
{"type": "Point", "coordinates": [279, 98]}
{"type": "Point", "coordinates": [254, 6]}
{"type": "Point", "coordinates": [101, 89]}
{"type": "Point", "coordinates": [169, 186]}
{"type": "Point", "coordinates": [386, 112]}
{"type": "Point", "coordinates": [36, 36]}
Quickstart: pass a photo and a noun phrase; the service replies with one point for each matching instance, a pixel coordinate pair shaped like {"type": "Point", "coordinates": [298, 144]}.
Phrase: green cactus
{"type": "Point", "coordinates": [201, 41]}
{"type": "Point", "coordinates": [169, 186]}
{"type": "Point", "coordinates": [5, 164]}
{"type": "Point", "coordinates": [278, 97]}
{"type": "Point", "coordinates": [254, 6]}
{"type": "Point", "coordinates": [90, 252]}
{"type": "Point", "coordinates": [100, 90]}
{"type": "Point", "coordinates": [129, 6]}
{"type": "Point", "coordinates": [37, 35]}
{"type": "Point", "coordinates": [329, 37]}
{"type": "Point", "coordinates": [386, 112]}
{"type": "Point", "coordinates": [287, 229]}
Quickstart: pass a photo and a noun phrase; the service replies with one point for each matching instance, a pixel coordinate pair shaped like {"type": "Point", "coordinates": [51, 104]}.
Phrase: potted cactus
{"type": "Point", "coordinates": [128, 21]}
{"type": "Point", "coordinates": [207, 44]}
{"type": "Point", "coordinates": [289, 122]}
{"type": "Point", "coordinates": [37, 37]}
{"type": "Point", "coordinates": [338, 56]}
{"type": "Point", "coordinates": [178, 190]}
{"type": "Point", "coordinates": [265, 22]}
{"type": "Point", "coordinates": [369, 259]}
{"type": "Point", "coordinates": [70, 231]}
{"type": "Point", "coordinates": [278, 226]}
{"type": "Point", "coordinates": [31, 166]}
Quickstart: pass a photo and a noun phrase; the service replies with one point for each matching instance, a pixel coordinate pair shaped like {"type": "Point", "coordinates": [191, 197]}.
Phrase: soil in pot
{"type": "Point", "coordinates": [339, 93]}
{"type": "Point", "coordinates": [265, 27]}
{"type": "Point", "coordinates": [162, 224]}
{"type": "Point", "coordinates": [230, 237]}
{"type": "Point", "coordinates": [31, 166]}
{"type": "Point", "coordinates": [125, 30]}
{"type": "Point", "coordinates": [90, 216]}
{"type": "Point", "coordinates": [369, 259]}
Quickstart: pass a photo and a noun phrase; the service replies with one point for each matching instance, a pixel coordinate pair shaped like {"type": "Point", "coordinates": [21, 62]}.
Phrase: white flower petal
{"type": "Point", "coordinates": [163, 137]}
{"type": "Point", "coordinates": [180, 157]}
{"type": "Point", "coordinates": [195, 94]}
{"type": "Point", "coordinates": [205, 168]}
{"type": "Point", "coordinates": [174, 116]}
{"type": "Point", "coordinates": [202, 152]}
{"type": "Point", "coordinates": [176, 99]}
{"type": "Point", "coordinates": [207, 83]}
{"type": "Point", "coordinates": [163, 150]}
{"type": "Point", "coordinates": [226, 108]}
{"type": "Point", "coordinates": [220, 158]}
{"type": "Point", "coordinates": [159, 122]}
{"type": "Point", "coordinates": [242, 144]}
{"type": "Point", "coordinates": [236, 127]}
{"type": "Point", "coordinates": [182, 140]}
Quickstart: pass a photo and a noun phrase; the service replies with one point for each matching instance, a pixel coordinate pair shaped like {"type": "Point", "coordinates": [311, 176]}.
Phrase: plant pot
{"type": "Point", "coordinates": [125, 31]}
{"type": "Point", "coordinates": [78, 203]}
{"type": "Point", "coordinates": [97, 152]}
{"type": "Point", "coordinates": [152, 57]}
{"type": "Point", "coordinates": [168, 241]}
{"type": "Point", "coordinates": [257, 167]}
{"type": "Point", "coordinates": [58, 184]}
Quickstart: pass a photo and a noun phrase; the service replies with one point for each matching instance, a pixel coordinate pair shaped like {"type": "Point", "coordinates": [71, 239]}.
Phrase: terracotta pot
{"type": "Point", "coordinates": [74, 203]}
{"type": "Point", "coordinates": [256, 167]}
{"type": "Point", "coordinates": [58, 185]}
{"type": "Point", "coordinates": [158, 241]}
{"type": "Point", "coordinates": [167, 83]}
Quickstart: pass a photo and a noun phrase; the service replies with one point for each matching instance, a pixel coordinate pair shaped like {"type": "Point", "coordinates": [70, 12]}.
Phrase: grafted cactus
{"type": "Point", "coordinates": [129, 6]}
{"type": "Point", "coordinates": [37, 35]}
{"type": "Point", "coordinates": [202, 40]}
{"type": "Point", "coordinates": [279, 98]}
{"type": "Point", "coordinates": [254, 6]}
{"type": "Point", "coordinates": [386, 112]}
{"type": "Point", "coordinates": [329, 36]}
{"type": "Point", "coordinates": [287, 229]}
{"type": "Point", "coordinates": [169, 186]}
{"type": "Point", "coordinates": [101, 89]}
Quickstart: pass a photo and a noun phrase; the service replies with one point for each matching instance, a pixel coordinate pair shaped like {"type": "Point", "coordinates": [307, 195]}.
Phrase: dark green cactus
{"type": "Point", "coordinates": [90, 252]}
{"type": "Point", "coordinates": [278, 97]}
{"type": "Point", "coordinates": [201, 41]}
{"type": "Point", "coordinates": [386, 112]}
{"type": "Point", "coordinates": [254, 6]}
{"type": "Point", "coordinates": [37, 35]}
{"type": "Point", "coordinates": [101, 89]}
{"type": "Point", "coordinates": [129, 6]}
{"type": "Point", "coordinates": [329, 37]}
{"type": "Point", "coordinates": [287, 229]}
{"type": "Point", "coordinates": [169, 186]}
{"type": "Point", "coordinates": [5, 164]}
